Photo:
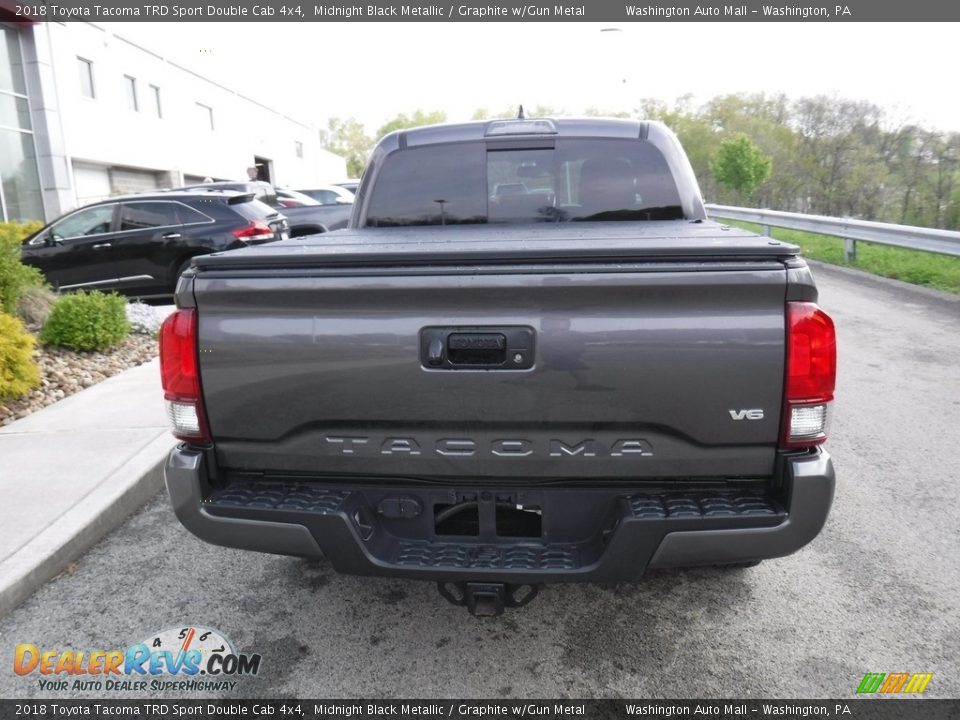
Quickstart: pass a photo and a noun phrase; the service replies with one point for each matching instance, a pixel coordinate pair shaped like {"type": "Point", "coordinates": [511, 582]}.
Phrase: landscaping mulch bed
{"type": "Point", "coordinates": [64, 372]}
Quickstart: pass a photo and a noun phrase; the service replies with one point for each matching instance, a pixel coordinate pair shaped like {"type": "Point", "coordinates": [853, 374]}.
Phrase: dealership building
{"type": "Point", "coordinates": [86, 113]}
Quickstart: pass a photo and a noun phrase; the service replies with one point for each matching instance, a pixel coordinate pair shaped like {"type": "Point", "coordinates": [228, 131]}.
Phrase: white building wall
{"type": "Point", "coordinates": [103, 132]}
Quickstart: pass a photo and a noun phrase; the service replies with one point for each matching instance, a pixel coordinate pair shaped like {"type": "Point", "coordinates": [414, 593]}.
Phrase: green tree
{"type": "Point", "coordinates": [946, 162]}
{"type": "Point", "coordinates": [740, 165]}
{"type": "Point", "coordinates": [403, 121]}
{"type": "Point", "coordinates": [828, 156]}
{"type": "Point", "coordinates": [699, 138]}
{"type": "Point", "coordinates": [510, 112]}
{"type": "Point", "coordinates": [348, 138]}
{"type": "Point", "coordinates": [952, 219]}
{"type": "Point", "coordinates": [483, 113]}
{"type": "Point", "coordinates": [842, 143]}
{"type": "Point", "coordinates": [540, 111]}
{"type": "Point", "coordinates": [764, 119]}
{"type": "Point", "coordinates": [592, 111]}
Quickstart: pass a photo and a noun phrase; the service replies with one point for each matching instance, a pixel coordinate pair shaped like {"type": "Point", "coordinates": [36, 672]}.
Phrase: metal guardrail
{"type": "Point", "coordinates": [945, 242]}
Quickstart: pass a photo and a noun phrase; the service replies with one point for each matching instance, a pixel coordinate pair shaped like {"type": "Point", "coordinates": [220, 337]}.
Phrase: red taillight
{"type": "Point", "coordinates": [284, 202]}
{"type": "Point", "coordinates": [178, 356]}
{"type": "Point", "coordinates": [254, 232]}
{"type": "Point", "coordinates": [180, 377]}
{"type": "Point", "coordinates": [811, 374]}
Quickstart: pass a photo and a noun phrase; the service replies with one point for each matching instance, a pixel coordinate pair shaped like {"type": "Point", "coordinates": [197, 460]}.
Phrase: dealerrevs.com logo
{"type": "Point", "coordinates": [189, 659]}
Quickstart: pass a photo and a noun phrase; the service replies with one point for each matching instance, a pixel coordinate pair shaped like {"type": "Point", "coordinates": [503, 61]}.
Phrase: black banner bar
{"type": "Point", "coordinates": [879, 709]}
{"type": "Point", "coordinates": [613, 11]}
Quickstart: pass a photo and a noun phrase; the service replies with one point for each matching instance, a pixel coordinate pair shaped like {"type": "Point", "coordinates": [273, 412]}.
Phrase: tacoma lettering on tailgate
{"type": "Point", "coordinates": [465, 447]}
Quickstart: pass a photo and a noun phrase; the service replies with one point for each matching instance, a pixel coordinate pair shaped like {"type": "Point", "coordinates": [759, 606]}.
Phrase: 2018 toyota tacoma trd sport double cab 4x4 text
{"type": "Point", "coordinates": [530, 358]}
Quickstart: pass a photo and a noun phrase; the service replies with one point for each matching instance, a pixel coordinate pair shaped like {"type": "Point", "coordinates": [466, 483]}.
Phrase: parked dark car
{"type": "Point", "coordinates": [351, 185]}
{"type": "Point", "coordinates": [302, 219]}
{"type": "Point", "coordinates": [329, 194]}
{"type": "Point", "coordinates": [294, 198]}
{"type": "Point", "coordinates": [140, 244]}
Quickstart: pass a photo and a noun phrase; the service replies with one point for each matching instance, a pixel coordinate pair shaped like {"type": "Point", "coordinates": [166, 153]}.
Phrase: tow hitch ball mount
{"type": "Point", "coordinates": [487, 599]}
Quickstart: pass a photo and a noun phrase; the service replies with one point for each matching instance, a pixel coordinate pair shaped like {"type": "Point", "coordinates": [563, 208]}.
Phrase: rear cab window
{"type": "Point", "coordinates": [582, 179]}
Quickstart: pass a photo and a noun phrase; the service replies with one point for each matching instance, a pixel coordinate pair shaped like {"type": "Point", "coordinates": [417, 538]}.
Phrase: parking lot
{"type": "Point", "coordinates": [877, 591]}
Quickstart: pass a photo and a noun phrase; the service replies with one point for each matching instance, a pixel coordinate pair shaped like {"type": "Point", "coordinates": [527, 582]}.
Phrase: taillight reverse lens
{"type": "Point", "coordinates": [180, 376]}
{"type": "Point", "coordinates": [811, 374]}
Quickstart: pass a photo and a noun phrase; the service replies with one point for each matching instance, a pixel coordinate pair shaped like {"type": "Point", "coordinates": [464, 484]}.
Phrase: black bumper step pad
{"type": "Point", "coordinates": [702, 505]}
{"type": "Point", "coordinates": [463, 555]}
{"type": "Point", "coordinates": [300, 497]}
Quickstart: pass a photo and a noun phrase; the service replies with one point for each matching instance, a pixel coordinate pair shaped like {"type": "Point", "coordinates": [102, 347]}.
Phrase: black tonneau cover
{"type": "Point", "coordinates": [506, 244]}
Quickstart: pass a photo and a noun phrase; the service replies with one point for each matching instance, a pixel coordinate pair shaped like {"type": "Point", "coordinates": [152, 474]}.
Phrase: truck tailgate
{"type": "Point", "coordinates": [632, 369]}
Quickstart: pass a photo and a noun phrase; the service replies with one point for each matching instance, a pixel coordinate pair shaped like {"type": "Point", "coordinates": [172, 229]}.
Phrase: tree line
{"type": "Point", "coordinates": [822, 155]}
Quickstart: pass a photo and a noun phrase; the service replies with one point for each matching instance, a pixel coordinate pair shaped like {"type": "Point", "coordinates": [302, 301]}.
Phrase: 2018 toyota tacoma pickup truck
{"type": "Point", "coordinates": [531, 358]}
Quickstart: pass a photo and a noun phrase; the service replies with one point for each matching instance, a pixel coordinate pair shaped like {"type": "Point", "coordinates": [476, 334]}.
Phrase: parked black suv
{"type": "Point", "coordinates": [303, 220]}
{"type": "Point", "coordinates": [140, 244]}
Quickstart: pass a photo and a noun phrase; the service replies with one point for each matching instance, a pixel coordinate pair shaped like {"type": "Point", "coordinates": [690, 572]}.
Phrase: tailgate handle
{"type": "Point", "coordinates": [504, 347]}
{"type": "Point", "coordinates": [477, 348]}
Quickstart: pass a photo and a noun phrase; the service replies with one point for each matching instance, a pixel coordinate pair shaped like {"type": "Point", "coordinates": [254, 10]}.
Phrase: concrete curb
{"type": "Point", "coordinates": [84, 525]}
{"type": "Point", "coordinates": [132, 474]}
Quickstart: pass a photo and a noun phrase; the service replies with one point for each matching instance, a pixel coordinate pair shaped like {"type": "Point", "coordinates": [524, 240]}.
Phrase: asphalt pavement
{"type": "Point", "coordinates": [877, 591]}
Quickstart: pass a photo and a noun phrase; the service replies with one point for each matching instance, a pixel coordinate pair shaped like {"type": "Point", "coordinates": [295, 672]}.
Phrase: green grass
{"type": "Point", "coordinates": [941, 272]}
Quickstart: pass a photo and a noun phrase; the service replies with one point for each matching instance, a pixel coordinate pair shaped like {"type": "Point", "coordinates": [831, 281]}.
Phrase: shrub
{"type": "Point", "coordinates": [18, 370]}
{"type": "Point", "coordinates": [86, 321]}
{"type": "Point", "coordinates": [35, 305]}
{"type": "Point", "coordinates": [15, 277]}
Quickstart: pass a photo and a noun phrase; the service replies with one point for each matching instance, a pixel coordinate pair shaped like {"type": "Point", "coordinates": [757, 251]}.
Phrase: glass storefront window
{"type": "Point", "coordinates": [18, 176]}
{"type": "Point", "coordinates": [11, 70]}
{"type": "Point", "coordinates": [14, 112]}
{"type": "Point", "coordinates": [20, 196]}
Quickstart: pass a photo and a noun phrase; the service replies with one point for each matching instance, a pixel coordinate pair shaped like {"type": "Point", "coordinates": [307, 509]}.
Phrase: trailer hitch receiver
{"type": "Point", "coordinates": [487, 599]}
